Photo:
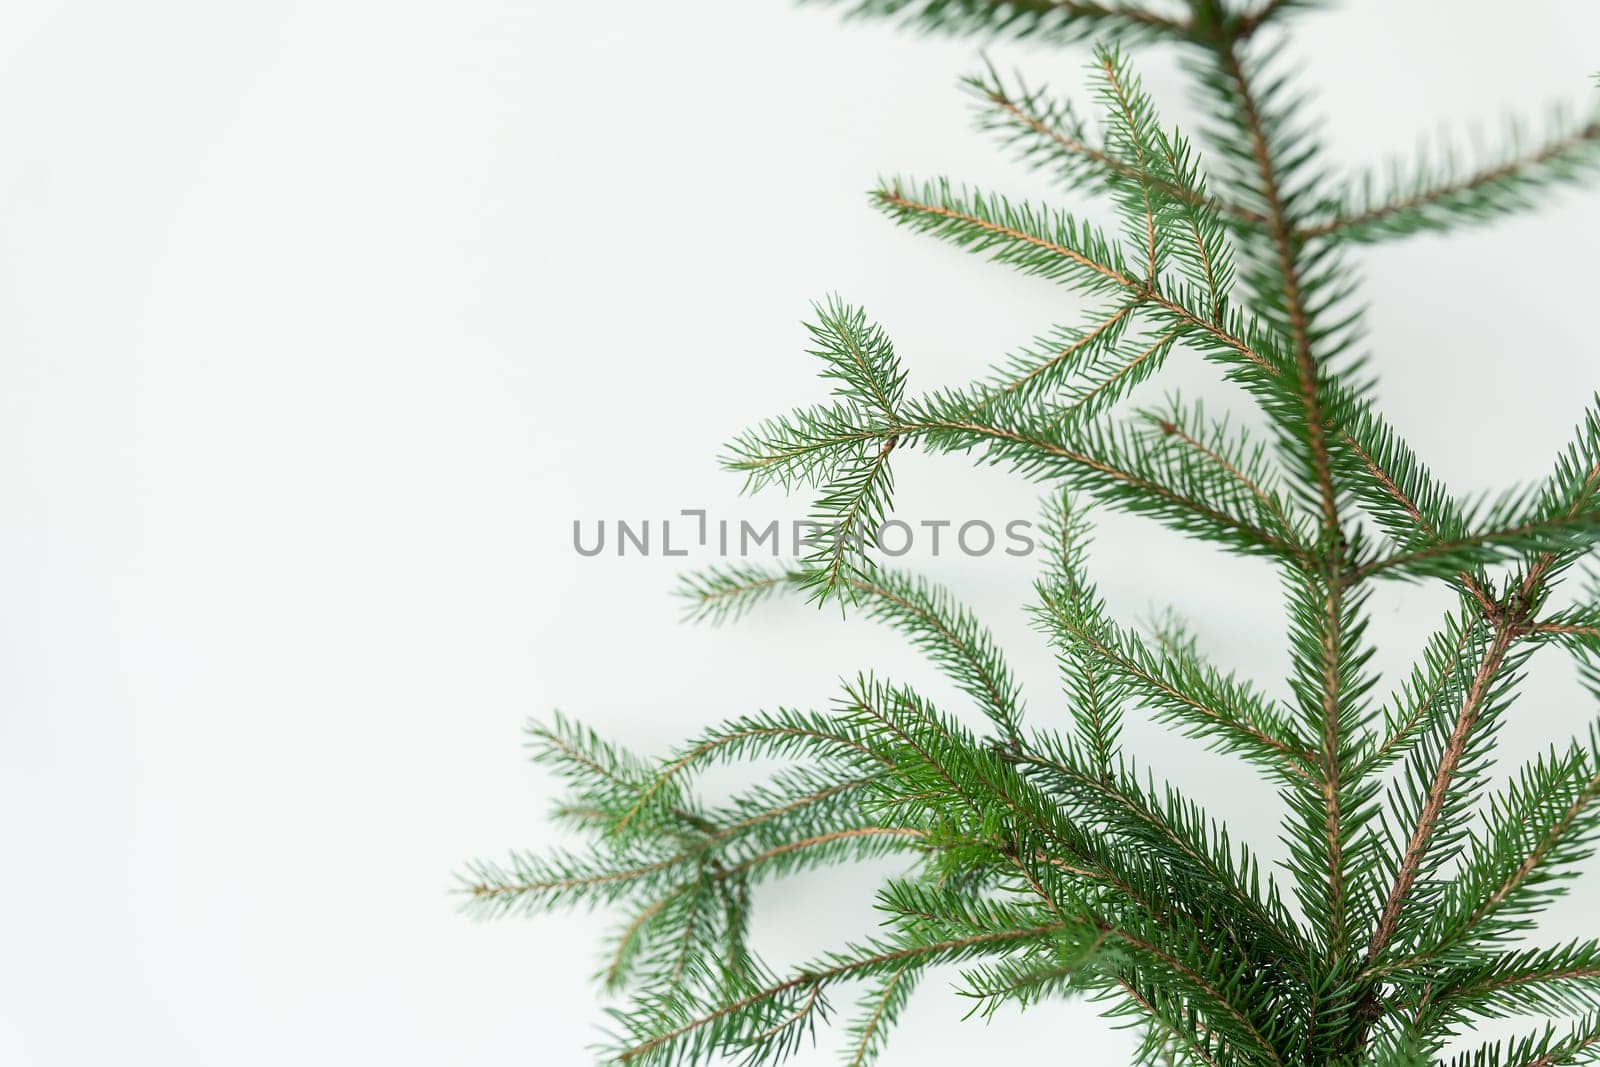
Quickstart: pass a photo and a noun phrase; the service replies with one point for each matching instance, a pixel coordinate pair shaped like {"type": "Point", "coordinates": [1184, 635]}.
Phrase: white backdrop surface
{"type": "Point", "coordinates": [321, 324]}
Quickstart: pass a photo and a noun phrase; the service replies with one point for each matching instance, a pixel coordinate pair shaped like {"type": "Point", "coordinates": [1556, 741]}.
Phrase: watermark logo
{"type": "Point", "coordinates": [693, 530]}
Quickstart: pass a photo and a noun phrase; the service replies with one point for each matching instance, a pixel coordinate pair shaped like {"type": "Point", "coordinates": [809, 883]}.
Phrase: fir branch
{"type": "Point", "coordinates": [857, 355]}
{"type": "Point", "coordinates": [1436, 198]}
{"type": "Point", "coordinates": [1561, 980]}
{"type": "Point", "coordinates": [719, 1028]}
{"type": "Point", "coordinates": [1549, 1048]}
{"type": "Point", "coordinates": [1046, 133]}
{"type": "Point", "coordinates": [1438, 557]}
{"type": "Point", "coordinates": [1132, 136]}
{"type": "Point", "coordinates": [1068, 354]}
{"type": "Point", "coordinates": [1098, 694]}
{"type": "Point", "coordinates": [1479, 696]}
{"type": "Point", "coordinates": [1114, 800]}
{"type": "Point", "coordinates": [1092, 398]}
{"type": "Point", "coordinates": [1043, 21]}
{"type": "Point", "coordinates": [1207, 704]}
{"type": "Point", "coordinates": [1050, 861]}
{"type": "Point", "coordinates": [850, 510]}
{"type": "Point", "coordinates": [1232, 454]}
{"type": "Point", "coordinates": [927, 614]}
{"type": "Point", "coordinates": [1327, 629]}
{"type": "Point", "coordinates": [1124, 469]}
{"type": "Point", "coordinates": [1034, 240]}
{"type": "Point", "coordinates": [1204, 249]}
{"type": "Point", "coordinates": [867, 1035]}
{"type": "Point", "coordinates": [1533, 835]}
{"type": "Point", "coordinates": [1127, 470]}
{"type": "Point", "coordinates": [1401, 495]}
{"type": "Point", "coordinates": [1429, 691]}
{"type": "Point", "coordinates": [726, 592]}
{"type": "Point", "coordinates": [1280, 227]}
{"type": "Point", "coordinates": [1330, 683]}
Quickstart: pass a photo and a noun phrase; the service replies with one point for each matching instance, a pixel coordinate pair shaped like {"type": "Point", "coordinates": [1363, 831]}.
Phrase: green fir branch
{"type": "Point", "coordinates": [1047, 861]}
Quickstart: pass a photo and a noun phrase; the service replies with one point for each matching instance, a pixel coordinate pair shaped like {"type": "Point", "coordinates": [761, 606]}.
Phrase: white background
{"type": "Point", "coordinates": [321, 323]}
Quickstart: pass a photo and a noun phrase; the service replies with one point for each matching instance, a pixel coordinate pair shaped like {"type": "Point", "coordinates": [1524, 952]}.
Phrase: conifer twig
{"type": "Point", "coordinates": [1332, 545]}
{"type": "Point", "coordinates": [1443, 192]}
{"type": "Point", "coordinates": [1053, 862]}
{"type": "Point", "coordinates": [1438, 790]}
{"type": "Point", "coordinates": [1016, 111]}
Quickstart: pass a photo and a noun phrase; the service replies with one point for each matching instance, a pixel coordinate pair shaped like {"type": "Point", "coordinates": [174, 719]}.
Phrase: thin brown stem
{"type": "Point", "coordinates": [1286, 243]}
{"type": "Point", "coordinates": [1217, 331]}
{"type": "Point", "coordinates": [1135, 286]}
{"type": "Point", "coordinates": [615, 966]}
{"type": "Point", "coordinates": [844, 532]}
{"type": "Point", "coordinates": [1510, 624]}
{"type": "Point", "coordinates": [677, 766]}
{"type": "Point", "coordinates": [1294, 756]}
{"type": "Point", "coordinates": [838, 970]}
{"type": "Point", "coordinates": [899, 200]}
{"type": "Point", "coordinates": [1536, 855]}
{"type": "Point", "coordinates": [991, 688]}
{"type": "Point", "coordinates": [1509, 169]}
{"type": "Point", "coordinates": [485, 891]}
{"type": "Point", "coordinates": [1332, 552]}
{"type": "Point", "coordinates": [1266, 537]}
{"type": "Point", "coordinates": [859, 1056]}
{"type": "Point", "coordinates": [799, 1016]}
{"type": "Point", "coordinates": [792, 806]}
{"type": "Point", "coordinates": [1135, 17]}
{"type": "Point", "coordinates": [1568, 1054]}
{"type": "Point", "coordinates": [1172, 429]}
{"type": "Point", "coordinates": [1442, 547]}
{"type": "Point", "coordinates": [1066, 353]}
{"type": "Point", "coordinates": [1078, 147]}
{"type": "Point", "coordinates": [1141, 167]}
{"type": "Point", "coordinates": [823, 839]}
{"type": "Point", "coordinates": [1420, 714]}
{"type": "Point", "coordinates": [1196, 1047]}
{"type": "Point", "coordinates": [1100, 387]}
{"type": "Point", "coordinates": [1493, 985]}
{"type": "Point", "coordinates": [1439, 790]}
{"type": "Point", "coordinates": [1466, 580]}
{"type": "Point", "coordinates": [1569, 629]}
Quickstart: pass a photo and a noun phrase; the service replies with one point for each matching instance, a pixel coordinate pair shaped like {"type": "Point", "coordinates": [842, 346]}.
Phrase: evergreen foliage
{"type": "Point", "coordinates": [1049, 863]}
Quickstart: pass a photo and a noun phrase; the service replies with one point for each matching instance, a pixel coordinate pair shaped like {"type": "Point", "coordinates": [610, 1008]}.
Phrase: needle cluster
{"type": "Point", "coordinates": [1046, 861]}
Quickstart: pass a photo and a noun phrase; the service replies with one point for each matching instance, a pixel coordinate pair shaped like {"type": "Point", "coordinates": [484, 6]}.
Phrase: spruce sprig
{"type": "Point", "coordinates": [1047, 862]}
